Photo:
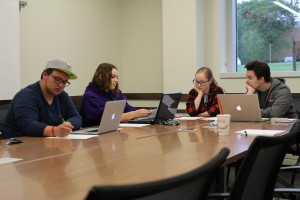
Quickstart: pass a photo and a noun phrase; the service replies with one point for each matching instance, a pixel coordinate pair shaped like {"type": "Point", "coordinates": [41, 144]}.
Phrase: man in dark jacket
{"type": "Point", "coordinates": [275, 98]}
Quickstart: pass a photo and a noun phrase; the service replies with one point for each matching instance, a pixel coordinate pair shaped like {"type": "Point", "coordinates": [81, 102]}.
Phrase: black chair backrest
{"type": "Point", "coordinates": [258, 172]}
{"type": "Point", "coordinates": [189, 186]}
{"type": "Point", "coordinates": [4, 105]}
{"type": "Point", "coordinates": [296, 102]}
{"type": "Point", "coordinates": [77, 101]}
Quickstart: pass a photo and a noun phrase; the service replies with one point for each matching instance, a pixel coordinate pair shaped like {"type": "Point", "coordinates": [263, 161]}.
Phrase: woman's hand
{"type": "Point", "coordinates": [200, 92]}
{"type": "Point", "coordinates": [143, 112]}
{"type": "Point", "coordinates": [135, 114]}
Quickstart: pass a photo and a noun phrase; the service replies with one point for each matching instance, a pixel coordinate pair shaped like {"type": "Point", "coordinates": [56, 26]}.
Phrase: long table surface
{"type": "Point", "coordinates": [54, 168]}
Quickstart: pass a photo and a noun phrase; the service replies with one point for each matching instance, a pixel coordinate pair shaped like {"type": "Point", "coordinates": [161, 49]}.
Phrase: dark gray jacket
{"type": "Point", "coordinates": [279, 101]}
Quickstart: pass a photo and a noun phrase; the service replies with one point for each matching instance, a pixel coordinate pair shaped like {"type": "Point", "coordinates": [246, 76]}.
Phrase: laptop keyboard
{"type": "Point", "coordinates": [93, 131]}
{"type": "Point", "coordinates": [145, 119]}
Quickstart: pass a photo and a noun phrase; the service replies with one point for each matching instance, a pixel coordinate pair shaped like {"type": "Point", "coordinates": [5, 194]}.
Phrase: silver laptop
{"type": "Point", "coordinates": [110, 120]}
{"type": "Point", "coordinates": [241, 107]}
{"type": "Point", "coordinates": [166, 110]}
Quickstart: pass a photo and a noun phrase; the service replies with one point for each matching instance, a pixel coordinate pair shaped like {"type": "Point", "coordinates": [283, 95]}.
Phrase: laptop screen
{"type": "Point", "coordinates": [168, 106]}
{"type": "Point", "coordinates": [241, 107]}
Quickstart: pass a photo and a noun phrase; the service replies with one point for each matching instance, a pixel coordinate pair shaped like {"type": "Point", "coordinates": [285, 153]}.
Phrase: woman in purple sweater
{"type": "Point", "coordinates": [104, 87]}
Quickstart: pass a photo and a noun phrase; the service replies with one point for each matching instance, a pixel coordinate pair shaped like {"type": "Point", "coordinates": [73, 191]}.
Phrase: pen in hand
{"type": "Point", "coordinates": [62, 119]}
{"type": "Point", "coordinates": [66, 126]}
{"type": "Point", "coordinates": [65, 122]}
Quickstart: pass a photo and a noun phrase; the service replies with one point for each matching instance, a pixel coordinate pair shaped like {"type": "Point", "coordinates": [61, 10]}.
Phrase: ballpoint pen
{"type": "Point", "coordinates": [62, 119]}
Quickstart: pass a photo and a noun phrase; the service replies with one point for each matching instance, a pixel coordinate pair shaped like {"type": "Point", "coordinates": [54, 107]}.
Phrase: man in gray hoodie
{"type": "Point", "coordinates": [275, 98]}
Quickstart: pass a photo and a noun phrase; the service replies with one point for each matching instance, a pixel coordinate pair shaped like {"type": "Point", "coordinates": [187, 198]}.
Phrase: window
{"type": "Point", "coordinates": [269, 31]}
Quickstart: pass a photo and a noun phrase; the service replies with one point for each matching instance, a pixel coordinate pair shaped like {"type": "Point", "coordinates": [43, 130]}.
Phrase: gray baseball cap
{"type": "Point", "coordinates": [61, 65]}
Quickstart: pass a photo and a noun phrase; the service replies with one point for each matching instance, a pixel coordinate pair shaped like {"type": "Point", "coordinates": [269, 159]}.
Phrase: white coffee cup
{"type": "Point", "coordinates": [223, 124]}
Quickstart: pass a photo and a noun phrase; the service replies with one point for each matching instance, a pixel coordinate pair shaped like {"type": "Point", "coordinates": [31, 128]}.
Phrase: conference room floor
{"type": "Point", "coordinates": [56, 168]}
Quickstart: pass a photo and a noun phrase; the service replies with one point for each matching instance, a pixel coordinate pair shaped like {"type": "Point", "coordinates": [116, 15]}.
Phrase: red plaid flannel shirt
{"type": "Point", "coordinates": [211, 106]}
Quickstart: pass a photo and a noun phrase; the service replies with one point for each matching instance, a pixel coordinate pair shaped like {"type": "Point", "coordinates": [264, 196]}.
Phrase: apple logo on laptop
{"type": "Point", "coordinates": [113, 116]}
{"type": "Point", "coordinates": [238, 108]}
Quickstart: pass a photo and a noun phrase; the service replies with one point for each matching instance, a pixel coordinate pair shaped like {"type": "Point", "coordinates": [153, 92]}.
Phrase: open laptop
{"type": "Point", "coordinates": [110, 120]}
{"type": "Point", "coordinates": [241, 107]}
{"type": "Point", "coordinates": [166, 110]}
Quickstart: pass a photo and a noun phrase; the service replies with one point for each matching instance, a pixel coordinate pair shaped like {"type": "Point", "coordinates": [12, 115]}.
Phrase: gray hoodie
{"type": "Point", "coordinates": [279, 101]}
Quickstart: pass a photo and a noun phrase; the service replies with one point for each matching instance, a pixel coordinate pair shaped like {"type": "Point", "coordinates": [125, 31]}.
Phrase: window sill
{"type": "Point", "coordinates": [238, 75]}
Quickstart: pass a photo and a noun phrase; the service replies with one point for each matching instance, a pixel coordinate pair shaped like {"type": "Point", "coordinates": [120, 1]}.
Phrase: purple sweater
{"type": "Point", "coordinates": [93, 103]}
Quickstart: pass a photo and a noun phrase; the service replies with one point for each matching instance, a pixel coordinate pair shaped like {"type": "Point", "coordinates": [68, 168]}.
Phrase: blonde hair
{"type": "Point", "coordinates": [208, 74]}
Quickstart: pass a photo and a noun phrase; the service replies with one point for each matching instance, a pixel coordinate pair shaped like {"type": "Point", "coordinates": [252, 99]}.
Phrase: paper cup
{"type": "Point", "coordinates": [223, 124]}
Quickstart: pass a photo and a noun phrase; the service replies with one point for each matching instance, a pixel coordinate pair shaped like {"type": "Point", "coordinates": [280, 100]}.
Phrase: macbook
{"type": "Point", "coordinates": [166, 110]}
{"type": "Point", "coordinates": [241, 107]}
{"type": "Point", "coordinates": [110, 120]}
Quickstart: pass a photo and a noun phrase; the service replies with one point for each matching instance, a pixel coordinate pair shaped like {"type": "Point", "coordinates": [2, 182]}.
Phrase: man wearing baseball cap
{"type": "Point", "coordinates": [44, 108]}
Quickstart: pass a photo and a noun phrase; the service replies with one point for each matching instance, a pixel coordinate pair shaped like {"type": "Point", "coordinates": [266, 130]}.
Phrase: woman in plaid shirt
{"type": "Point", "coordinates": [202, 99]}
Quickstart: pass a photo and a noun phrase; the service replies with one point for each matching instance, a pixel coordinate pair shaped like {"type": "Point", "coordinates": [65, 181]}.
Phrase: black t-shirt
{"type": "Point", "coordinates": [262, 97]}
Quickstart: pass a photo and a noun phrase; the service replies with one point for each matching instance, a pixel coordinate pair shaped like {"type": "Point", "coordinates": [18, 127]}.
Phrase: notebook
{"type": "Point", "coordinates": [241, 107]}
{"type": "Point", "coordinates": [166, 110]}
{"type": "Point", "coordinates": [110, 120]}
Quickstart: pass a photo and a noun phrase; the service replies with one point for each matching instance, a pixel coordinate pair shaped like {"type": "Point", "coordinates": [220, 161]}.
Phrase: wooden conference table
{"type": "Point", "coordinates": [66, 169]}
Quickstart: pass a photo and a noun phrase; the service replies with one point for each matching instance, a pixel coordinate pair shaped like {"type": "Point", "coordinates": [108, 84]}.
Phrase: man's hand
{"type": "Point", "coordinates": [63, 129]}
{"type": "Point", "coordinates": [250, 89]}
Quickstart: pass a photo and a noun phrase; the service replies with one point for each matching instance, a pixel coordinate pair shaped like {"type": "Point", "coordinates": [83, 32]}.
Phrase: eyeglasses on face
{"type": "Point", "coordinates": [59, 81]}
{"type": "Point", "coordinates": [201, 82]}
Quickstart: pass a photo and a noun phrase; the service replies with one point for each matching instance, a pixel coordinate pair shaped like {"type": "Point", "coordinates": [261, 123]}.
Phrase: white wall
{"type": "Point", "coordinates": [85, 32]}
{"type": "Point", "coordinates": [9, 49]}
{"type": "Point", "coordinates": [142, 57]}
{"type": "Point", "coordinates": [179, 44]}
{"type": "Point", "coordinates": [217, 42]}
{"type": "Point", "coordinates": [126, 33]}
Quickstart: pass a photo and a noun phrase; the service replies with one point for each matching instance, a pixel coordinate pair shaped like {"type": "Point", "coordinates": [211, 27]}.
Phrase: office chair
{"type": "Point", "coordinates": [287, 184]}
{"type": "Point", "coordinates": [293, 149]}
{"type": "Point", "coordinates": [3, 110]}
{"type": "Point", "coordinates": [285, 189]}
{"type": "Point", "coordinates": [194, 184]}
{"type": "Point", "coordinates": [258, 172]}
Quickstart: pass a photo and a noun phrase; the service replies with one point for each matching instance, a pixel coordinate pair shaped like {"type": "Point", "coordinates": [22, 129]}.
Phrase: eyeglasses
{"type": "Point", "coordinates": [60, 81]}
{"type": "Point", "coordinates": [201, 82]}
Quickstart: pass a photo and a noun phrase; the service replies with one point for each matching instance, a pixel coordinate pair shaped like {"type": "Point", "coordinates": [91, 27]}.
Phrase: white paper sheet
{"type": "Point", "coordinates": [8, 160]}
{"type": "Point", "coordinates": [188, 118]}
{"type": "Point", "coordinates": [281, 120]}
{"type": "Point", "coordinates": [132, 125]}
{"type": "Point", "coordinates": [260, 132]}
{"type": "Point", "coordinates": [209, 118]}
{"type": "Point", "coordinates": [75, 137]}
